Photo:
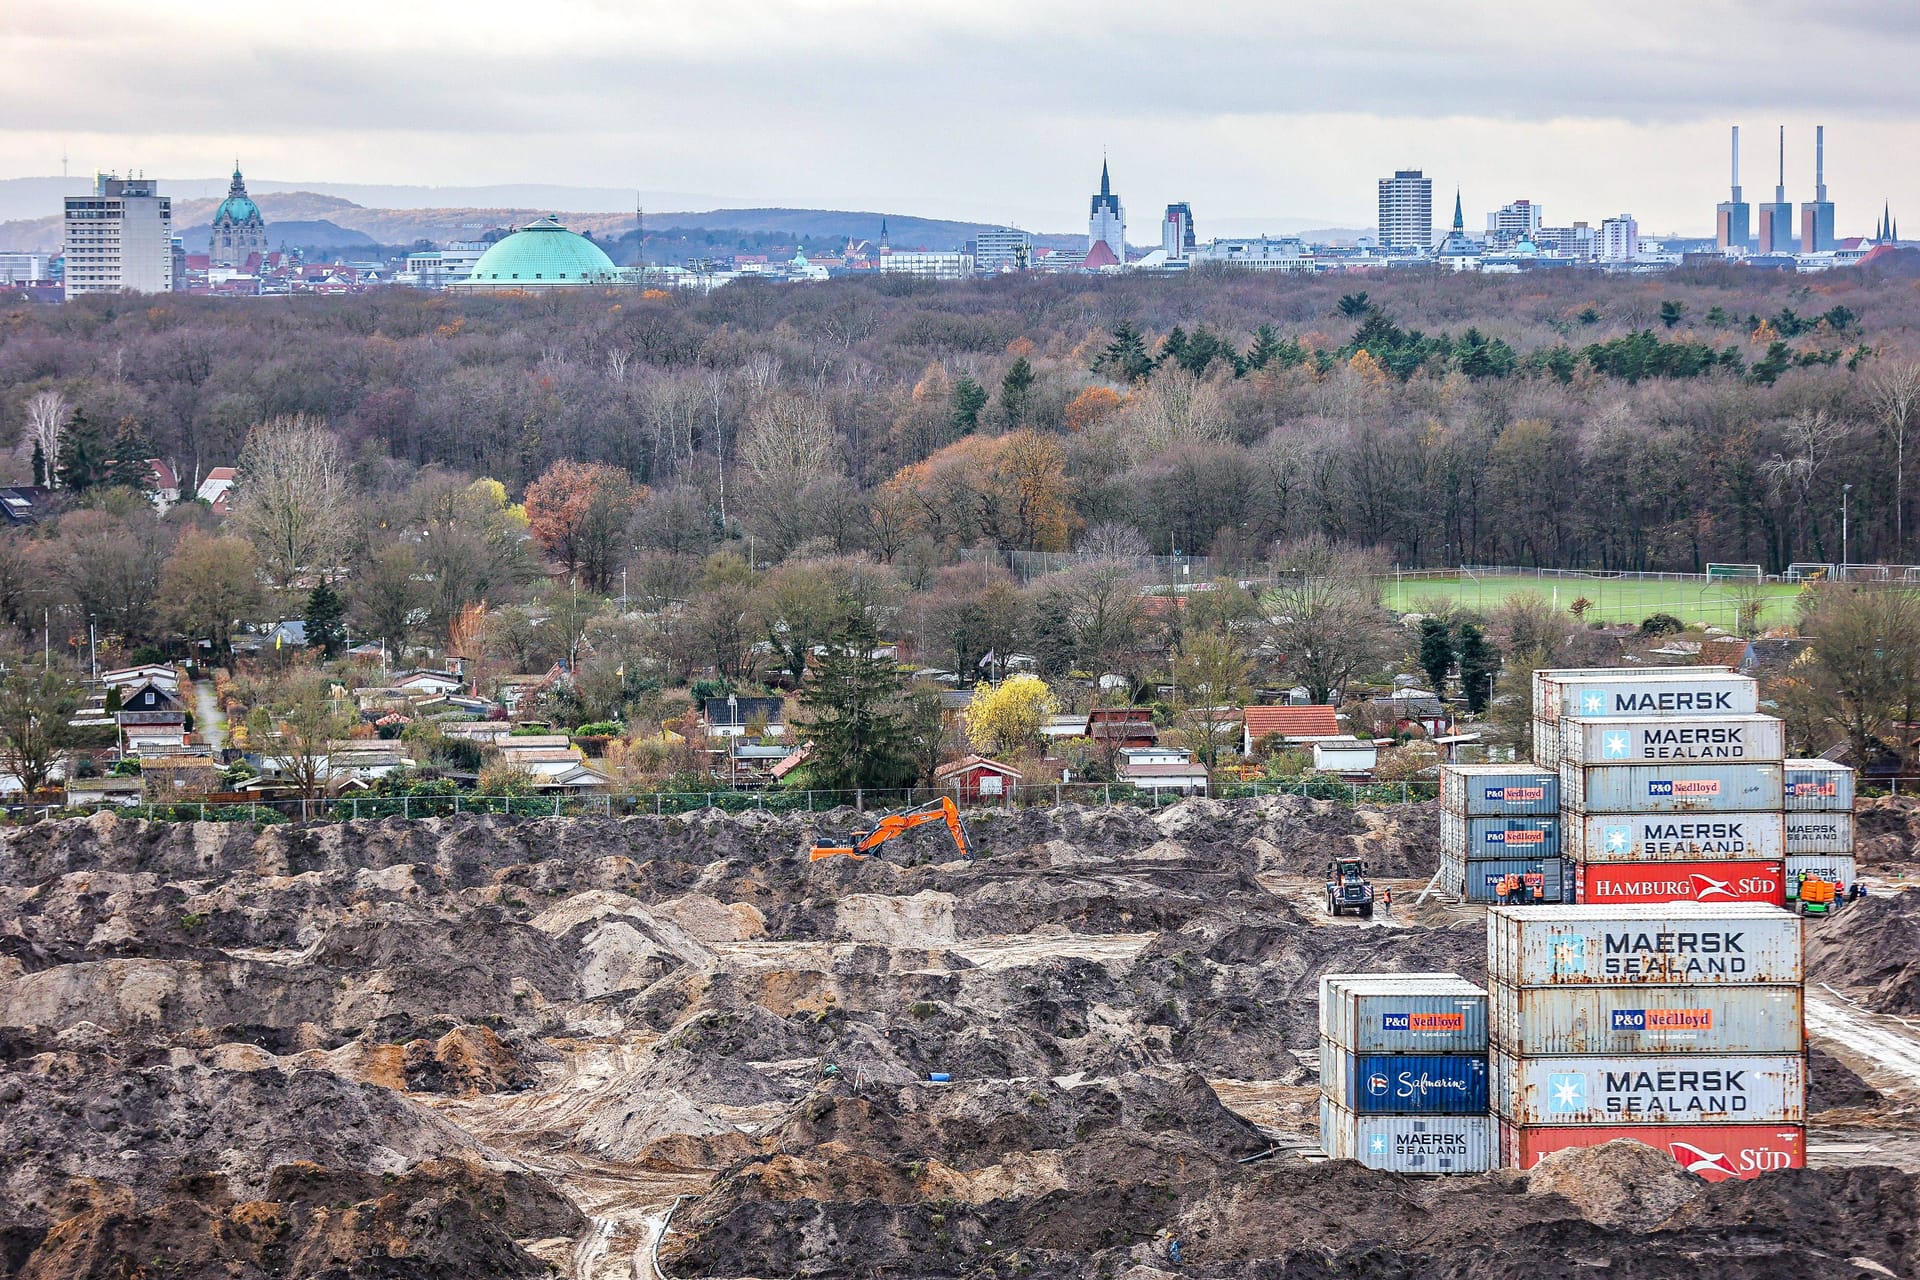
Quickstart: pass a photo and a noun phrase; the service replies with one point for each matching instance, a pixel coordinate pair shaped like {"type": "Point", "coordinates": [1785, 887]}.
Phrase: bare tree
{"type": "Point", "coordinates": [1325, 619]}
{"type": "Point", "coordinates": [298, 727]}
{"type": "Point", "coordinates": [1895, 392]}
{"type": "Point", "coordinates": [47, 414]}
{"type": "Point", "coordinates": [293, 501]}
{"type": "Point", "coordinates": [789, 441]}
{"type": "Point", "coordinates": [1111, 541]}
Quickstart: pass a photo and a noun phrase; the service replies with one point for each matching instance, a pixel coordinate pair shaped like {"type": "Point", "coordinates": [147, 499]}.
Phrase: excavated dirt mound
{"type": "Point", "coordinates": [478, 1046]}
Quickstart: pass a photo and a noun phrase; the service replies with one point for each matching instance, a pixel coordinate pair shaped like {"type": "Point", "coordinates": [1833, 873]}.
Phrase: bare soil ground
{"type": "Point", "coordinates": [479, 1047]}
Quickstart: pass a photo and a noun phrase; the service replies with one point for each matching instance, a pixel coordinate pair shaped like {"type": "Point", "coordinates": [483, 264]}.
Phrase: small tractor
{"type": "Point", "coordinates": [898, 824]}
{"type": "Point", "coordinates": [1348, 888]}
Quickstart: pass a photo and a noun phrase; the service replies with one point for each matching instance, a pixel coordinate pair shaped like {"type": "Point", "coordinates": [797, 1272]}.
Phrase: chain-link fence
{"type": "Point", "coordinates": [665, 803]}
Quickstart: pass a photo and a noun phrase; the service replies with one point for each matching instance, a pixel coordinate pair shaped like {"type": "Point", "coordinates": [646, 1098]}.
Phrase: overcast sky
{"type": "Point", "coordinates": [994, 109]}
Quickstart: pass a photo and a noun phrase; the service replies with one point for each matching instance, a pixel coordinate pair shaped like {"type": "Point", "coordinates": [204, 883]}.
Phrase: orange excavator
{"type": "Point", "coordinates": [898, 824]}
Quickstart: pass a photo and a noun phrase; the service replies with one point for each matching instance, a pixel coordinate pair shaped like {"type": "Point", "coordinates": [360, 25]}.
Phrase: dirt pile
{"type": "Point", "coordinates": [1872, 946]}
{"type": "Point", "coordinates": [426, 1043]}
{"type": "Point", "coordinates": [1616, 1184]}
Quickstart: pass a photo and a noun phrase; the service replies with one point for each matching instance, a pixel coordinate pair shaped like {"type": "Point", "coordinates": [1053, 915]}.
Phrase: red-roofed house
{"type": "Point", "coordinates": [217, 489]}
{"type": "Point", "coordinates": [1291, 724]}
{"type": "Point", "coordinates": [162, 483]}
{"type": "Point", "coordinates": [976, 778]}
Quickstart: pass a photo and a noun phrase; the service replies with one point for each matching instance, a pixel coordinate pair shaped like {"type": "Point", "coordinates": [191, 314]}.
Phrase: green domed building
{"type": "Point", "coordinates": [239, 229]}
{"type": "Point", "coordinates": [541, 255]}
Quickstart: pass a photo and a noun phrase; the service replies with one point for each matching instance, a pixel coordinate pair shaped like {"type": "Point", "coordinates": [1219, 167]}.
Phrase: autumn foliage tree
{"type": "Point", "coordinates": [1010, 489]}
{"type": "Point", "coordinates": [578, 513]}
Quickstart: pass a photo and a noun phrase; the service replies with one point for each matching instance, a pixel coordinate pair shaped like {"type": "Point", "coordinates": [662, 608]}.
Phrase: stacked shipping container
{"type": "Point", "coordinates": [1819, 821]}
{"type": "Point", "coordinates": [1679, 1025]}
{"type": "Point", "coordinates": [1671, 784]}
{"type": "Point", "coordinates": [1403, 1072]}
{"type": "Point", "coordinates": [1501, 820]}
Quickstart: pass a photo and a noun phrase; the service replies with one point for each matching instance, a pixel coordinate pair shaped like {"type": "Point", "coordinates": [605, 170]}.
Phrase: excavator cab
{"type": "Point", "coordinates": [898, 824]}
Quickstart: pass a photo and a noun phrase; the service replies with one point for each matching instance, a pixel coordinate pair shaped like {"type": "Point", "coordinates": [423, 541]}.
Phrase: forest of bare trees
{"type": "Point", "coordinates": [1557, 419]}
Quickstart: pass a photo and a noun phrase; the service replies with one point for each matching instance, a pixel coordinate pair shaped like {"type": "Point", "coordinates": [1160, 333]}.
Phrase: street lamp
{"type": "Point", "coordinates": [1845, 489]}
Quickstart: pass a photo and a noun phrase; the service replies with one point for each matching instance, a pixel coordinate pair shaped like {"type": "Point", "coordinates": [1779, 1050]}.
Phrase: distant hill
{"type": "Point", "coordinates": [25, 199]}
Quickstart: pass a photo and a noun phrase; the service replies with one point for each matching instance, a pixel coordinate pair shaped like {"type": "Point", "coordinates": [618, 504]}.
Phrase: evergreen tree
{"type": "Point", "coordinates": [326, 621]}
{"type": "Point", "coordinates": [82, 454]}
{"type": "Point", "coordinates": [1126, 356]}
{"type": "Point", "coordinates": [860, 731]}
{"type": "Point", "coordinates": [969, 399]}
{"type": "Point", "coordinates": [1266, 346]}
{"type": "Point", "coordinates": [39, 465]}
{"type": "Point", "coordinates": [1478, 661]}
{"type": "Point", "coordinates": [127, 468]}
{"type": "Point", "coordinates": [1016, 394]}
{"type": "Point", "coordinates": [1436, 652]}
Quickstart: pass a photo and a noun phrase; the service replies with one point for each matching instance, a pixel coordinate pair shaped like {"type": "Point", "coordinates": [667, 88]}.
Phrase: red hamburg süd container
{"type": "Point", "coordinates": [1605, 884]}
{"type": "Point", "coordinates": [1715, 1152]}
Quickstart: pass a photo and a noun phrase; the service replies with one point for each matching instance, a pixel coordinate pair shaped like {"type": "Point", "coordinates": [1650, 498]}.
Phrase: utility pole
{"type": "Point", "coordinates": [1845, 489]}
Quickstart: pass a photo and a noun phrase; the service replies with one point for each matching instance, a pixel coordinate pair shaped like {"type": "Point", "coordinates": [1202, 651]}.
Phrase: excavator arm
{"type": "Point", "coordinates": [898, 824]}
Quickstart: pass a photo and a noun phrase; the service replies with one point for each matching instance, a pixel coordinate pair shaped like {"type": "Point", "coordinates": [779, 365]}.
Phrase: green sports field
{"type": "Point", "coordinates": [1613, 599]}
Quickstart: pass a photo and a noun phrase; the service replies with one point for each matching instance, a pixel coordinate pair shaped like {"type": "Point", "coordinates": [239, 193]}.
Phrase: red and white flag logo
{"type": "Point", "coordinates": [1704, 1163]}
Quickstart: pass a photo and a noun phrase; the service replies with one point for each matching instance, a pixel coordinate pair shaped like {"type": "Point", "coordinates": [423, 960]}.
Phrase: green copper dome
{"type": "Point", "coordinates": [543, 253]}
{"type": "Point", "coordinates": [238, 209]}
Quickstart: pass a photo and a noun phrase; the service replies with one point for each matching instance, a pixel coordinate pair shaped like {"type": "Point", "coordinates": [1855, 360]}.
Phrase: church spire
{"type": "Point", "coordinates": [1106, 187]}
{"type": "Point", "coordinates": [1459, 223]}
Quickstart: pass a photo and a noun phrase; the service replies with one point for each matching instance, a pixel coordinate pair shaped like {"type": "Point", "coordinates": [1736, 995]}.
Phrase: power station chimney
{"type": "Point", "coordinates": [1736, 164]}
{"type": "Point", "coordinates": [1780, 191]}
{"type": "Point", "coordinates": [1820, 162]}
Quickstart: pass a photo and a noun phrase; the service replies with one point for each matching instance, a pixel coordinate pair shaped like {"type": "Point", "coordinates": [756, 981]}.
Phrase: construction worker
{"type": "Point", "coordinates": [1386, 901]}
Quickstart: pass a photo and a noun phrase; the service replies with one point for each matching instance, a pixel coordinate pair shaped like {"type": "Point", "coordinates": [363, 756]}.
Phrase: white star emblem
{"type": "Point", "coordinates": [1616, 839]}
{"type": "Point", "coordinates": [1616, 747]}
{"type": "Point", "coordinates": [1379, 1146]}
{"type": "Point", "coordinates": [1593, 703]}
{"type": "Point", "coordinates": [1568, 1092]}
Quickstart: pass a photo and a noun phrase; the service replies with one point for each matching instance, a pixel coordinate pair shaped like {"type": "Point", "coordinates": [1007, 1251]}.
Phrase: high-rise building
{"type": "Point", "coordinates": [1619, 239]}
{"type": "Point", "coordinates": [1002, 249]}
{"type": "Point", "coordinates": [24, 268]}
{"type": "Point", "coordinates": [1106, 224]}
{"type": "Point", "coordinates": [119, 238]}
{"type": "Point", "coordinates": [1511, 223]}
{"type": "Point", "coordinates": [1406, 212]}
{"type": "Point", "coordinates": [1176, 232]}
{"type": "Point", "coordinates": [239, 230]}
{"type": "Point", "coordinates": [1577, 241]}
{"type": "Point", "coordinates": [1776, 219]}
{"type": "Point", "coordinates": [1733, 218]}
{"type": "Point", "coordinates": [1816, 215]}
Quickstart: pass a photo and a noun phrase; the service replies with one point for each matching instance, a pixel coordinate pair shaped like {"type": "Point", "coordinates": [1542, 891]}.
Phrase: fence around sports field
{"type": "Point", "coordinates": [665, 803]}
{"type": "Point", "coordinates": [1628, 596]}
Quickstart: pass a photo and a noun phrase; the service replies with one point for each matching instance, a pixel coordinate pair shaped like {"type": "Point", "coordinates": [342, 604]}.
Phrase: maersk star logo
{"type": "Point", "coordinates": [1569, 953]}
{"type": "Point", "coordinates": [1614, 746]}
{"type": "Point", "coordinates": [1617, 839]}
{"type": "Point", "coordinates": [1566, 1093]}
{"type": "Point", "coordinates": [1593, 704]}
{"type": "Point", "coordinates": [1378, 1146]}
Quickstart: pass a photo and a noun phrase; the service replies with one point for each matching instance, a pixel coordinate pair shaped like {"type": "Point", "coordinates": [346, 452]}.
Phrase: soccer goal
{"type": "Point", "coordinates": [1735, 573]}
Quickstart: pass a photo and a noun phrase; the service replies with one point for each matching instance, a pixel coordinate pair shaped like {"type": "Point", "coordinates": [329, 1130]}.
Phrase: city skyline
{"type": "Point", "coordinates": [758, 105]}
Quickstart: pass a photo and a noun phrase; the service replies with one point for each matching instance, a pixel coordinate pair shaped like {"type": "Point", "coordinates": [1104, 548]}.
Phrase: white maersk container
{"type": "Point", "coordinates": [1675, 837]}
{"type": "Point", "coordinates": [1624, 1021]}
{"type": "Point", "coordinates": [1681, 1089]}
{"type": "Point", "coordinates": [1564, 675]}
{"type": "Point", "coordinates": [1675, 944]}
{"type": "Point", "coordinates": [1669, 788]}
{"type": "Point", "coordinates": [1835, 868]}
{"type": "Point", "coordinates": [1720, 739]}
{"type": "Point", "coordinates": [1641, 695]}
{"type": "Point", "coordinates": [1410, 1144]}
{"type": "Point", "coordinates": [1809, 833]}
{"type": "Point", "coordinates": [1403, 1013]}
